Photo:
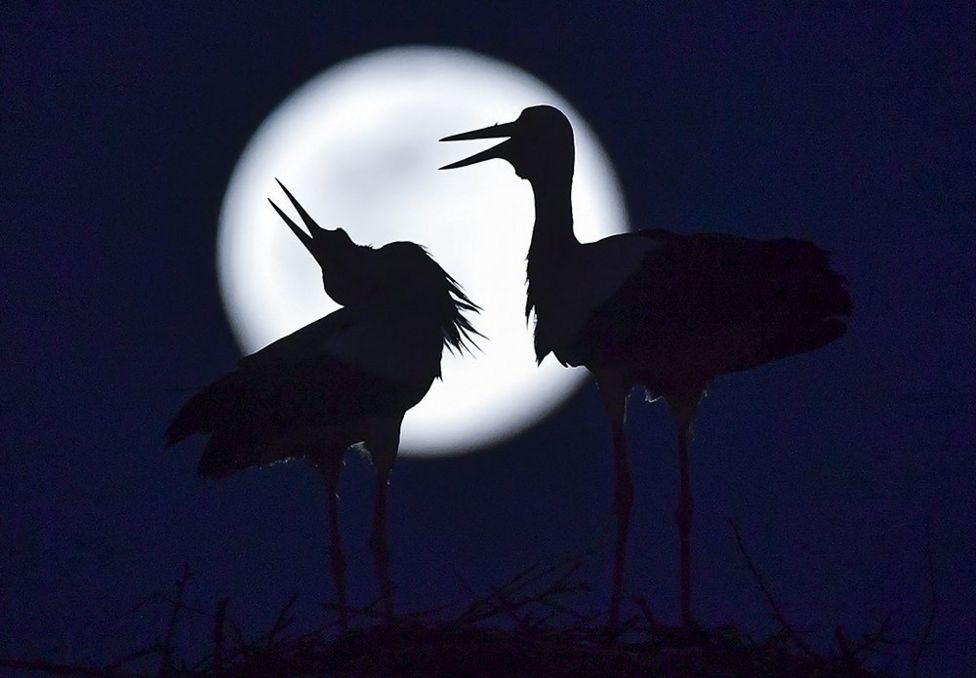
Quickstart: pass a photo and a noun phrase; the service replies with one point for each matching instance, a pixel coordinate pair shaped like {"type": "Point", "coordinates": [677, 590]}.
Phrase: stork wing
{"type": "Point", "coordinates": [292, 398]}
{"type": "Point", "coordinates": [299, 343]}
{"type": "Point", "coordinates": [301, 379]}
{"type": "Point", "coordinates": [722, 302]}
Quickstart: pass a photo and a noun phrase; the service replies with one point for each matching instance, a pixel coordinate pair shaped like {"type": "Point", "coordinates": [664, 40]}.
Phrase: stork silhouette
{"type": "Point", "coordinates": [344, 379]}
{"type": "Point", "coordinates": [665, 311]}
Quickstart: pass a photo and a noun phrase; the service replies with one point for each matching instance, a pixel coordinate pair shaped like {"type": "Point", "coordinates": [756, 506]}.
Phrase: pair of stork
{"type": "Point", "coordinates": [667, 312]}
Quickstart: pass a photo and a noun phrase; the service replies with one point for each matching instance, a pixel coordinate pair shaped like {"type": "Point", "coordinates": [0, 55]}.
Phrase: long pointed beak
{"type": "Point", "coordinates": [494, 132]}
{"type": "Point", "coordinates": [313, 227]}
{"type": "Point", "coordinates": [302, 235]}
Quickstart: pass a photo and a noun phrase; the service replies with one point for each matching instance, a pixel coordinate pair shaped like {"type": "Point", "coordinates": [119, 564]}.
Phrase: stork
{"type": "Point", "coordinates": [345, 379]}
{"type": "Point", "coordinates": [664, 311]}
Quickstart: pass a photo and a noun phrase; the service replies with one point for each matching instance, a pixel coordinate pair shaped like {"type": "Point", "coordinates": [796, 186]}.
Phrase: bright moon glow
{"type": "Point", "coordinates": [357, 146]}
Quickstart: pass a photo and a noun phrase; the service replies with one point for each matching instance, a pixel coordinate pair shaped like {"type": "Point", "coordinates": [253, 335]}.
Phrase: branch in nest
{"type": "Point", "coordinates": [168, 647]}
{"type": "Point", "coordinates": [787, 628]}
{"type": "Point", "coordinates": [512, 600]}
{"type": "Point", "coordinates": [282, 621]}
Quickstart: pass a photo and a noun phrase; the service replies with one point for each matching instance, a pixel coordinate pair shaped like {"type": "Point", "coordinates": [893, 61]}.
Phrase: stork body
{"type": "Point", "coordinates": [664, 311]}
{"type": "Point", "coordinates": [344, 379]}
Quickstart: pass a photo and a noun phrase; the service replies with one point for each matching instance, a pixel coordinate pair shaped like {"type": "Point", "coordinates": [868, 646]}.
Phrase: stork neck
{"type": "Point", "coordinates": [553, 215]}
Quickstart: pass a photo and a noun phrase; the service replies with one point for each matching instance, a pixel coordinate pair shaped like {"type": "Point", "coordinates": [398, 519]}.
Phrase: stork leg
{"type": "Point", "coordinates": [378, 544]}
{"type": "Point", "coordinates": [683, 411]}
{"type": "Point", "coordinates": [328, 468]}
{"type": "Point", "coordinates": [683, 518]}
{"type": "Point", "coordinates": [383, 444]}
{"type": "Point", "coordinates": [614, 394]}
{"type": "Point", "coordinates": [338, 562]}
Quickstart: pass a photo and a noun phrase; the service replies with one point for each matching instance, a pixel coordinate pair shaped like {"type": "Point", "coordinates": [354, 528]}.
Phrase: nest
{"type": "Point", "coordinates": [529, 627]}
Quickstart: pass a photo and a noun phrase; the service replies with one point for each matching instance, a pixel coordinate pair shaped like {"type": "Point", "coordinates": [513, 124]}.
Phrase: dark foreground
{"type": "Point", "coordinates": [528, 627]}
{"type": "Point", "coordinates": [411, 648]}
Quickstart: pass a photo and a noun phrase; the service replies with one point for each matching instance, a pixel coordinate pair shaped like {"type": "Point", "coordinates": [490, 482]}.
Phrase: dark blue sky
{"type": "Point", "coordinates": [851, 126]}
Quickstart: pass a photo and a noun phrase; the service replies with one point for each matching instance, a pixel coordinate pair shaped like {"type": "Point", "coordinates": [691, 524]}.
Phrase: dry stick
{"type": "Point", "coordinates": [645, 609]}
{"type": "Point", "coordinates": [515, 586]}
{"type": "Point", "coordinates": [428, 612]}
{"type": "Point", "coordinates": [283, 620]}
{"type": "Point", "coordinates": [545, 599]}
{"type": "Point", "coordinates": [871, 640]}
{"type": "Point", "coordinates": [466, 586]}
{"type": "Point", "coordinates": [506, 606]}
{"type": "Point", "coordinates": [369, 610]}
{"type": "Point", "coordinates": [933, 600]}
{"type": "Point", "coordinates": [844, 645]}
{"type": "Point", "coordinates": [566, 589]}
{"type": "Point", "coordinates": [509, 598]}
{"type": "Point", "coordinates": [769, 598]}
{"type": "Point", "coordinates": [480, 607]}
{"type": "Point", "coordinates": [166, 663]}
{"type": "Point", "coordinates": [243, 648]}
{"type": "Point", "coordinates": [485, 607]}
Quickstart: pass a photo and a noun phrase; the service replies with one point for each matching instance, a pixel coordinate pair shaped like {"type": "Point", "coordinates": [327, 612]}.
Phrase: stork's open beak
{"type": "Point", "coordinates": [327, 246]}
{"type": "Point", "coordinates": [494, 132]}
{"type": "Point", "coordinates": [313, 228]}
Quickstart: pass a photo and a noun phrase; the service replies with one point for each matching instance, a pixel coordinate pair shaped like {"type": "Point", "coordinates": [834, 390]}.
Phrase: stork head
{"type": "Point", "coordinates": [343, 262]}
{"type": "Point", "coordinates": [539, 145]}
{"type": "Point", "coordinates": [396, 278]}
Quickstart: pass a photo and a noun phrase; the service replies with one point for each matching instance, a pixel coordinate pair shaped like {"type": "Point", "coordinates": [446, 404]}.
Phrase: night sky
{"type": "Point", "coordinates": [852, 127]}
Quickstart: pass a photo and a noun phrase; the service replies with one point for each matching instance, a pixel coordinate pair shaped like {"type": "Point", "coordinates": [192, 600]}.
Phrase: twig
{"type": "Point", "coordinates": [243, 648]}
{"type": "Point", "coordinates": [844, 645]}
{"type": "Point", "coordinates": [168, 648]}
{"type": "Point", "coordinates": [283, 620]}
{"type": "Point", "coordinates": [646, 611]}
{"type": "Point", "coordinates": [506, 606]}
{"type": "Point", "coordinates": [512, 598]}
{"type": "Point", "coordinates": [428, 612]}
{"type": "Point", "coordinates": [871, 640]}
{"type": "Point", "coordinates": [769, 597]}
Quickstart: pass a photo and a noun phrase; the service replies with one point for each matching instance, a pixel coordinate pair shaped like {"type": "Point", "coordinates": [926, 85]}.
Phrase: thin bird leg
{"type": "Point", "coordinates": [683, 408]}
{"type": "Point", "coordinates": [615, 401]}
{"type": "Point", "coordinates": [381, 555]}
{"type": "Point", "coordinates": [338, 562]}
{"type": "Point", "coordinates": [330, 475]}
{"type": "Point", "coordinates": [683, 517]}
{"type": "Point", "coordinates": [383, 443]}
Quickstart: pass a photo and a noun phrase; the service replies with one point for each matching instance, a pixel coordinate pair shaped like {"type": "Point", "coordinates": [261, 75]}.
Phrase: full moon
{"type": "Point", "coordinates": [357, 145]}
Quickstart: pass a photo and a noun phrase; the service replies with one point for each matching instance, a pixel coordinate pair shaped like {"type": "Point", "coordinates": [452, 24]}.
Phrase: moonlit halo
{"type": "Point", "coordinates": [357, 146]}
